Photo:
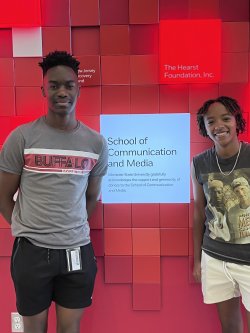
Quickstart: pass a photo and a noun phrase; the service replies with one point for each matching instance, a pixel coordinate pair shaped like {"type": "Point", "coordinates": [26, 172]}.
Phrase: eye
{"type": "Point", "coordinates": [210, 122]}
{"type": "Point", "coordinates": [70, 85]}
{"type": "Point", "coordinates": [227, 118]}
{"type": "Point", "coordinates": [53, 86]}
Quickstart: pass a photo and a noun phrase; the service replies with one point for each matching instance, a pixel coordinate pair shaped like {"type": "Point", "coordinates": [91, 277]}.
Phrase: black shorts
{"type": "Point", "coordinates": [40, 276]}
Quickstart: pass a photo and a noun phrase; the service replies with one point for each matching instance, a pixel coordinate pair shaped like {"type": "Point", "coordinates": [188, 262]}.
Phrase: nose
{"type": "Point", "coordinates": [62, 92]}
{"type": "Point", "coordinates": [218, 124]}
{"type": "Point", "coordinates": [240, 193]}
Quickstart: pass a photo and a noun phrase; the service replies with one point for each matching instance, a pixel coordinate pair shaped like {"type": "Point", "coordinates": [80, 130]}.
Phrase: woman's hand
{"type": "Point", "coordinates": [197, 271]}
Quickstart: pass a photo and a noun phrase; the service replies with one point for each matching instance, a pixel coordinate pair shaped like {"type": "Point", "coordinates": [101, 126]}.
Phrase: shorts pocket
{"type": "Point", "coordinates": [88, 255]}
{"type": "Point", "coordinates": [16, 247]}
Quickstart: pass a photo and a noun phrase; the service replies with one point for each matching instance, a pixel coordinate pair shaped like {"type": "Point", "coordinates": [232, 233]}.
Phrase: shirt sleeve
{"type": "Point", "coordinates": [12, 153]}
{"type": "Point", "coordinates": [101, 167]}
{"type": "Point", "coordinates": [197, 162]}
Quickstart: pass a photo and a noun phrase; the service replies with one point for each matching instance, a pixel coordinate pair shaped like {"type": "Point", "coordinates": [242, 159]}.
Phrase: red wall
{"type": "Point", "coordinates": [144, 251]}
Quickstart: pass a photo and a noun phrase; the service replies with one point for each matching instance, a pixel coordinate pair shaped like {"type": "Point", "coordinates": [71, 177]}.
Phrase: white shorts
{"type": "Point", "coordinates": [223, 280]}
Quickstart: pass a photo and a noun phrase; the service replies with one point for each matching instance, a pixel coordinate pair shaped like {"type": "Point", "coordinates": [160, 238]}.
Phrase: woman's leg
{"type": "Point", "coordinates": [230, 316]}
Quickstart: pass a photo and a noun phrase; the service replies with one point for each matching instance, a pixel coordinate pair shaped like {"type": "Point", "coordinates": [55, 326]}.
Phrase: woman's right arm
{"type": "Point", "coordinates": [198, 223]}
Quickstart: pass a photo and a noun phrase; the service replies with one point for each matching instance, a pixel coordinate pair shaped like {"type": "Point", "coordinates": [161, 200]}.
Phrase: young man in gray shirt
{"type": "Point", "coordinates": [56, 164]}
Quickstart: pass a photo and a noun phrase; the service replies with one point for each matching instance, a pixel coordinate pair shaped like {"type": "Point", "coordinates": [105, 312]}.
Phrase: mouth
{"type": "Point", "coordinates": [63, 104]}
{"type": "Point", "coordinates": [221, 134]}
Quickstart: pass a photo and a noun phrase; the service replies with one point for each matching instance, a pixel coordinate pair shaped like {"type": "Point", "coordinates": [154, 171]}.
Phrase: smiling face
{"type": "Point", "coordinates": [61, 90]}
{"type": "Point", "coordinates": [220, 124]}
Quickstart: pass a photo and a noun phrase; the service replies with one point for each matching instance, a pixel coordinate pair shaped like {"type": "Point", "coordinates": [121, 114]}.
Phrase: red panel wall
{"type": "Point", "coordinates": [144, 252]}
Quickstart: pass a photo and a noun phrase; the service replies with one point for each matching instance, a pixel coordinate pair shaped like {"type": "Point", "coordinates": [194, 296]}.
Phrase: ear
{"type": "Point", "coordinates": [79, 91]}
{"type": "Point", "coordinates": [43, 91]}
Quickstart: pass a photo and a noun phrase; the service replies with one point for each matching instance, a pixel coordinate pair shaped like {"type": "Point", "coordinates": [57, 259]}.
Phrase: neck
{"type": "Point", "coordinates": [65, 123]}
{"type": "Point", "coordinates": [229, 150]}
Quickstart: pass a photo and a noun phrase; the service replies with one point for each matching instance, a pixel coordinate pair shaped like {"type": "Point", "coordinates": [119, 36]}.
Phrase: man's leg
{"type": "Point", "coordinates": [68, 320]}
{"type": "Point", "coordinates": [230, 316]}
{"type": "Point", "coordinates": [37, 323]}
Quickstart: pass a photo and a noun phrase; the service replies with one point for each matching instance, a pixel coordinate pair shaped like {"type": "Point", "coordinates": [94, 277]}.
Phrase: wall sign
{"type": "Point", "coordinates": [190, 51]}
{"type": "Point", "coordinates": [149, 158]}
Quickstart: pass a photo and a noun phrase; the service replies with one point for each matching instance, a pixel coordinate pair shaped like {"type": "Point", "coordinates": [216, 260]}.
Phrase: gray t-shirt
{"type": "Point", "coordinates": [55, 166]}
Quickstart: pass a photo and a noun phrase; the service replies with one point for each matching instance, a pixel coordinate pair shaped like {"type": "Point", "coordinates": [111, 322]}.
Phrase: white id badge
{"type": "Point", "coordinates": [74, 261]}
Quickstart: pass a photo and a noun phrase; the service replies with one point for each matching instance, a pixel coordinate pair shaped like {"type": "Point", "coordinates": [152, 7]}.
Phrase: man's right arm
{"type": "Point", "coordinates": [9, 184]}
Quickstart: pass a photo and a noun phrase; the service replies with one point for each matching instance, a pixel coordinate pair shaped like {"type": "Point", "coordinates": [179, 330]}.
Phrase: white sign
{"type": "Point", "coordinates": [149, 158]}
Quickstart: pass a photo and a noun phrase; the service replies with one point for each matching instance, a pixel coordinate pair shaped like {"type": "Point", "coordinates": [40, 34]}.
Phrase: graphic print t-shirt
{"type": "Point", "coordinates": [55, 167]}
{"type": "Point", "coordinates": [227, 204]}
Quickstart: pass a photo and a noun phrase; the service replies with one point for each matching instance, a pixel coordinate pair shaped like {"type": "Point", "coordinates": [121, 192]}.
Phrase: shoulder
{"type": "Point", "coordinates": [204, 156]}
{"type": "Point", "coordinates": [27, 127]}
{"type": "Point", "coordinates": [92, 135]}
{"type": "Point", "coordinates": [202, 163]}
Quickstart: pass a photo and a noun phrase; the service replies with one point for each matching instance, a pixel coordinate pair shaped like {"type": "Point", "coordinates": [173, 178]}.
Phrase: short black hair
{"type": "Point", "coordinates": [58, 58]}
{"type": "Point", "coordinates": [231, 105]}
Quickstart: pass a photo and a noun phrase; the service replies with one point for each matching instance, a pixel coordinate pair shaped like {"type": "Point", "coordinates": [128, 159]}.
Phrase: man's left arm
{"type": "Point", "coordinates": [93, 194]}
{"type": "Point", "coordinates": [95, 179]}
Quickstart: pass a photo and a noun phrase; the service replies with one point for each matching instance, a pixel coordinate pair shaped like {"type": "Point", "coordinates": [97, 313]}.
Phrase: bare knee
{"type": "Point", "coordinates": [72, 328]}
{"type": "Point", "coordinates": [68, 326]}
